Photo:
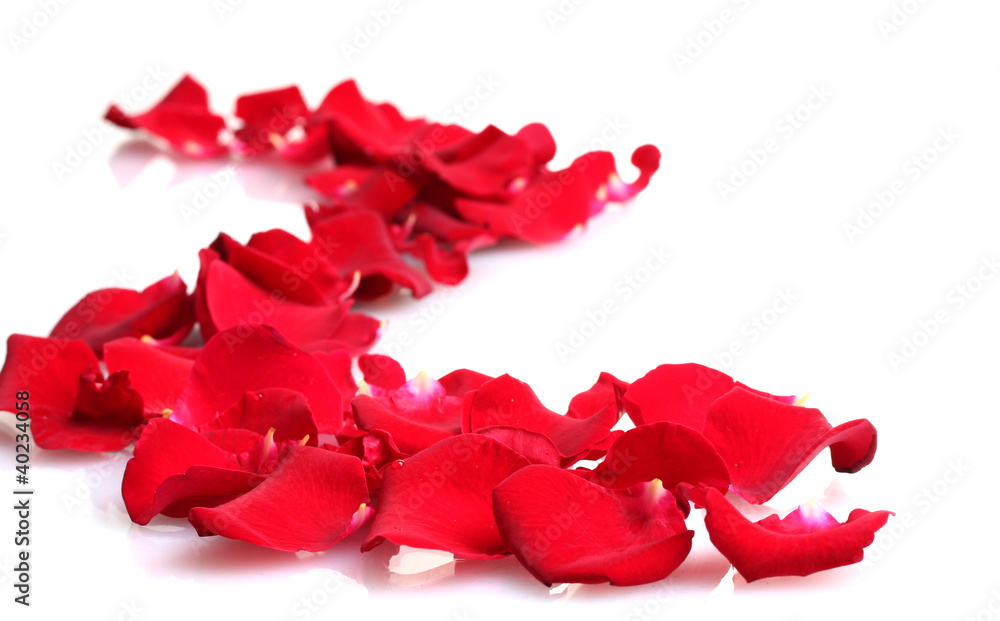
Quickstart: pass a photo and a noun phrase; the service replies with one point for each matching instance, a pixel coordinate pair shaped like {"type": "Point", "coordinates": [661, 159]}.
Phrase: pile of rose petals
{"type": "Point", "coordinates": [273, 403]}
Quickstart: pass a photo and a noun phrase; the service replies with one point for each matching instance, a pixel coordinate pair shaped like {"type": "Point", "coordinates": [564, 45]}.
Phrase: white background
{"type": "Point", "coordinates": [115, 218]}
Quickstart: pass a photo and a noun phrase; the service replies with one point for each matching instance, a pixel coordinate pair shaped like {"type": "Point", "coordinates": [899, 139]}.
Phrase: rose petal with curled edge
{"type": "Point", "coordinates": [166, 449]}
{"type": "Point", "coordinates": [563, 528]}
{"type": "Point", "coordinates": [765, 443]}
{"type": "Point", "coordinates": [805, 541]}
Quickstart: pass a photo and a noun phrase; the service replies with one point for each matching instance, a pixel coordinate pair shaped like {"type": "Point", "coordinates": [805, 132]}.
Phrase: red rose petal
{"type": "Point", "coordinates": [766, 443]}
{"type": "Point", "coordinates": [682, 394]}
{"type": "Point", "coordinates": [182, 118]}
{"type": "Point", "coordinates": [232, 300]}
{"type": "Point", "coordinates": [285, 411]}
{"type": "Point", "coordinates": [158, 374]}
{"type": "Point", "coordinates": [48, 369]}
{"type": "Point", "coordinates": [313, 499]}
{"type": "Point", "coordinates": [363, 132]}
{"type": "Point", "coordinates": [806, 541]}
{"type": "Point", "coordinates": [248, 358]}
{"type": "Point", "coordinates": [508, 402]}
{"type": "Point", "coordinates": [565, 529]}
{"type": "Point", "coordinates": [358, 241]}
{"type": "Point", "coordinates": [410, 436]}
{"type": "Point", "coordinates": [267, 117]}
{"type": "Point", "coordinates": [534, 447]}
{"type": "Point", "coordinates": [165, 449]}
{"type": "Point", "coordinates": [441, 498]}
{"type": "Point", "coordinates": [162, 311]}
{"type": "Point", "coordinates": [671, 453]}
{"type": "Point", "coordinates": [381, 371]}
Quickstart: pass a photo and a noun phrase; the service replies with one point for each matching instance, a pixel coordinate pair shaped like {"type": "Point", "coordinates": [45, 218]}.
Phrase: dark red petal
{"type": "Point", "coordinates": [766, 443]}
{"type": "Point", "coordinates": [682, 394]}
{"type": "Point", "coordinates": [48, 369]}
{"type": "Point", "coordinates": [461, 381]}
{"type": "Point", "coordinates": [338, 366]}
{"type": "Point", "coordinates": [202, 486]}
{"type": "Point", "coordinates": [362, 131]}
{"type": "Point", "coordinates": [411, 436]}
{"type": "Point", "coordinates": [806, 541]}
{"type": "Point", "coordinates": [285, 411]}
{"type": "Point", "coordinates": [448, 267]}
{"type": "Point", "coordinates": [381, 189]}
{"type": "Point", "coordinates": [606, 391]}
{"type": "Point", "coordinates": [539, 139]}
{"type": "Point", "coordinates": [165, 449]}
{"type": "Point", "coordinates": [534, 447]}
{"type": "Point", "coordinates": [358, 241]}
{"type": "Point", "coordinates": [676, 393]}
{"type": "Point", "coordinates": [376, 450]}
{"type": "Point", "coordinates": [182, 118]}
{"type": "Point", "coordinates": [157, 373]}
{"type": "Point", "coordinates": [276, 260]}
{"type": "Point", "coordinates": [267, 117]}
{"type": "Point", "coordinates": [555, 202]}
{"type": "Point", "coordinates": [671, 453]}
{"type": "Point", "coordinates": [483, 165]}
{"type": "Point", "coordinates": [312, 500]}
{"type": "Point", "coordinates": [381, 371]}
{"type": "Point", "coordinates": [162, 311]}
{"type": "Point", "coordinates": [247, 358]}
{"type": "Point", "coordinates": [232, 300]}
{"type": "Point", "coordinates": [441, 498]}
{"type": "Point", "coordinates": [509, 402]}
{"type": "Point", "coordinates": [565, 529]}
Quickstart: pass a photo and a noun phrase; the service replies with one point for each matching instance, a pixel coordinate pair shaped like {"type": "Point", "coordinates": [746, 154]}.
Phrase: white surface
{"type": "Point", "coordinates": [607, 63]}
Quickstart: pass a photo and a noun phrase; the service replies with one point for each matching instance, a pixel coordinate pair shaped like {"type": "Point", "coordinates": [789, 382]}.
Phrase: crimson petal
{"type": "Point", "coordinates": [157, 373]}
{"type": "Point", "coordinates": [805, 541]}
{"type": "Point", "coordinates": [165, 449]}
{"type": "Point", "coordinates": [441, 498]}
{"type": "Point", "coordinates": [766, 443]}
{"type": "Point", "coordinates": [248, 358]}
{"type": "Point", "coordinates": [313, 499]}
{"type": "Point", "coordinates": [565, 529]}
{"type": "Point", "coordinates": [162, 311]}
{"type": "Point", "coordinates": [671, 453]}
{"type": "Point", "coordinates": [505, 401]}
{"type": "Point", "coordinates": [182, 118]}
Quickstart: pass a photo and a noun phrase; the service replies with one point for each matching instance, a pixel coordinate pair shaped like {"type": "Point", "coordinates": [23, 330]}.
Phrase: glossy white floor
{"type": "Point", "coordinates": [826, 109]}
